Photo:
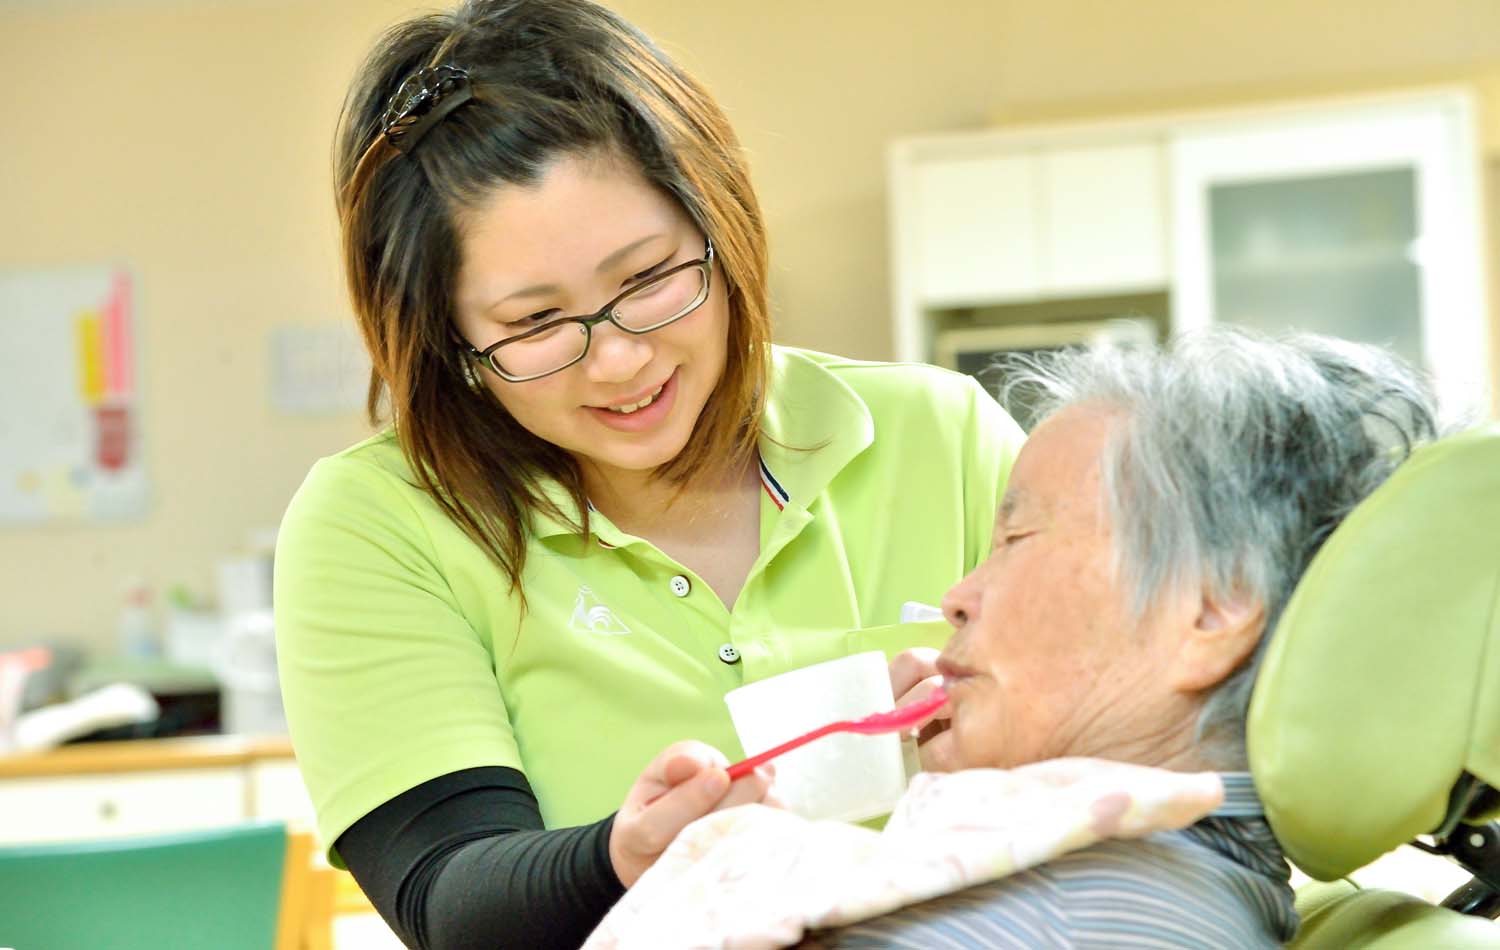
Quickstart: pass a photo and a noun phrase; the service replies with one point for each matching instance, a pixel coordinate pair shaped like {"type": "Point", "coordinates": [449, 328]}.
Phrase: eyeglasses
{"type": "Point", "coordinates": [558, 344]}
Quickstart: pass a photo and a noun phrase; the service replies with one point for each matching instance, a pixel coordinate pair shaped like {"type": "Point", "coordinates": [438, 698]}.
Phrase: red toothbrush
{"type": "Point", "coordinates": [875, 724]}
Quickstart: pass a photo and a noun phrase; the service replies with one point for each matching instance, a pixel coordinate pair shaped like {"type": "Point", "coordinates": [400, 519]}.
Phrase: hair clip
{"type": "Point", "coordinates": [423, 100]}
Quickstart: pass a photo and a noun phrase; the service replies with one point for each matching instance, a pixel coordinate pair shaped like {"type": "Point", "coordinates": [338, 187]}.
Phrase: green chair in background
{"type": "Point", "coordinates": [217, 890]}
{"type": "Point", "coordinates": [1376, 716]}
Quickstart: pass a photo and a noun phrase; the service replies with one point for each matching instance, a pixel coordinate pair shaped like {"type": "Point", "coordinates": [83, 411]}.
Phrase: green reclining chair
{"type": "Point", "coordinates": [1376, 716]}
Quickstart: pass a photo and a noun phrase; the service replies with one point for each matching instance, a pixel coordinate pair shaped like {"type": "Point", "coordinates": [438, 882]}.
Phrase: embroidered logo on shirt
{"type": "Point", "coordinates": [590, 616]}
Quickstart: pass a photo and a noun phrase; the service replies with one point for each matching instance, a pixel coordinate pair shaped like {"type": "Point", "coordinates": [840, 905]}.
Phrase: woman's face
{"type": "Point", "coordinates": [590, 228]}
{"type": "Point", "coordinates": [1046, 659]}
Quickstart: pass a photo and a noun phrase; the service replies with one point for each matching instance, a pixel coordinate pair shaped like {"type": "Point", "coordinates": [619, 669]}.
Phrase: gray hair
{"type": "Point", "coordinates": [1237, 456]}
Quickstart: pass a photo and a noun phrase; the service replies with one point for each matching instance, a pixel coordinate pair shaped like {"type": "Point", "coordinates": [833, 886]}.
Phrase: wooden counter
{"type": "Point", "coordinates": [146, 755]}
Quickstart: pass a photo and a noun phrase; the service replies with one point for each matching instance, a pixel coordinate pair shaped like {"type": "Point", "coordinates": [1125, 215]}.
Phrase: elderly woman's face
{"type": "Point", "coordinates": [1045, 661]}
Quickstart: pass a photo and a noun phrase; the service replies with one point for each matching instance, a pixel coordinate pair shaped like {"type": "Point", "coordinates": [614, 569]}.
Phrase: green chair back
{"type": "Point", "coordinates": [217, 889]}
{"type": "Point", "coordinates": [1340, 916]}
{"type": "Point", "coordinates": [1380, 688]}
{"type": "Point", "coordinates": [1381, 684]}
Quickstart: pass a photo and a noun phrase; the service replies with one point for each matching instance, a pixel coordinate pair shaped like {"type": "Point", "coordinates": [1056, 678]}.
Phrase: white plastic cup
{"type": "Point", "coordinates": [844, 776]}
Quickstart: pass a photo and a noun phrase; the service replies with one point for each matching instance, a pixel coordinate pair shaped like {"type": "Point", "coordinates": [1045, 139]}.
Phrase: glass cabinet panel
{"type": "Point", "coordinates": [1358, 220]}
{"type": "Point", "coordinates": [1333, 254]}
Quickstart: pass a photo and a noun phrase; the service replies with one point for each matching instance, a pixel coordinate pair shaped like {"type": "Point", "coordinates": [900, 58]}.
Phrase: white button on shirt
{"type": "Point", "coordinates": [729, 654]}
{"type": "Point", "coordinates": [680, 586]}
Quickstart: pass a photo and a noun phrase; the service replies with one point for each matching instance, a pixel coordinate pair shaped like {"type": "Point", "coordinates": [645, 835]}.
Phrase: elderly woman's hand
{"type": "Point", "coordinates": [914, 675]}
{"type": "Point", "coordinates": [686, 781]}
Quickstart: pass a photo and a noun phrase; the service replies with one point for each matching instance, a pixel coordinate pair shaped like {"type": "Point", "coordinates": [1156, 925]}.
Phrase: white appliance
{"type": "Point", "coordinates": [974, 349]}
{"type": "Point", "coordinates": [977, 350]}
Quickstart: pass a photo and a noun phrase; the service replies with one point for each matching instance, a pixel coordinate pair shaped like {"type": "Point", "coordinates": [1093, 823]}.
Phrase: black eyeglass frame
{"type": "Point", "coordinates": [606, 312]}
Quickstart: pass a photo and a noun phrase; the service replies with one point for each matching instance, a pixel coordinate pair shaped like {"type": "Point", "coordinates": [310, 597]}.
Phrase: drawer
{"type": "Point", "coordinates": [136, 803]}
{"type": "Point", "coordinates": [277, 792]}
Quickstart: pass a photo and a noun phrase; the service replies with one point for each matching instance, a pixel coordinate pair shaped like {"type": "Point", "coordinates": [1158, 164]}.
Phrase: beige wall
{"type": "Point", "coordinates": [190, 140]}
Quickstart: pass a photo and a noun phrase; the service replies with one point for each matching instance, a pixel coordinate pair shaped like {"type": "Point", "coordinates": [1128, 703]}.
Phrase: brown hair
{"type": "Point", "coordinates": [550, 78]}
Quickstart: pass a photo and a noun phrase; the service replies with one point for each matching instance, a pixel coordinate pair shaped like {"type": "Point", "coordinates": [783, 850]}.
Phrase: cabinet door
{"type": "Point", "coordinates": [976, 224]}
{"type": "Point", "coordinates": [105, 806]}
{"type": "Point", "coordinates": [1359, 223]}
{"type": "Point", "coordinates": [277, 792]}
{"type": "Point", "coordinates": [1104, 219]}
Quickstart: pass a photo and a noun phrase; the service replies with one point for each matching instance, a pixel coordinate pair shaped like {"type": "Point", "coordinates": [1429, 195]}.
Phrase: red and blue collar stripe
{"type": "Point", "coordinates": [778, 495]}
{"type": "Point", "coordinates": [774, 491]}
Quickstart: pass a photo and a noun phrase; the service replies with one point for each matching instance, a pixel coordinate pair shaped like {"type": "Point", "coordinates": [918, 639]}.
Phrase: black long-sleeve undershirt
{"type": "Point", "coordinates": [462, 862]}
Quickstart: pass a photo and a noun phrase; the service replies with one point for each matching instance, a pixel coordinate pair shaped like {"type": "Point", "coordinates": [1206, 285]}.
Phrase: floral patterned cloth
{"type": "Point", "coordinates": [755, 876]}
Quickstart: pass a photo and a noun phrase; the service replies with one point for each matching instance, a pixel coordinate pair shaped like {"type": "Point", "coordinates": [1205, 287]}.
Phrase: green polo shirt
{"type": "Point", "coordinates": [404, 656]}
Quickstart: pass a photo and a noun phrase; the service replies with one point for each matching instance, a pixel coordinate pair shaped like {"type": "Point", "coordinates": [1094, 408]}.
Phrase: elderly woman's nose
{"type": "Point", "coordinates": [961, 603]}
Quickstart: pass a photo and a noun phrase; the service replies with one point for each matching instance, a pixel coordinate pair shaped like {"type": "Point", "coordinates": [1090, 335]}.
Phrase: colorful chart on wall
{"type": "Point", "coordinates": [70, 432]}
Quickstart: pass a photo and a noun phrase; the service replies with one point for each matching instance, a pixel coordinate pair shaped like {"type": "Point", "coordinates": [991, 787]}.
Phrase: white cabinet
{"type": "Point", "coordinates": [116, 789]}
{"type": "Point", "coordinates": [1356, 217]}
{"type": "Point", "coordinates": [995, 218]}
{"type": "Point", "coordinates": [275, 791]}
{"type": "Point", "coordinates": [1104, 219]}
{"type": "Point", "coordinates": [976, 223]}
{"type": "Point", "coordinates": [1360, 221]}
{"type": "Point", "coordinates": [60, 808]}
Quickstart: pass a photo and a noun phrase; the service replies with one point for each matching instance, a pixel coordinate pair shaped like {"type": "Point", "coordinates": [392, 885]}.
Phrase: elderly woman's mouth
{"type": "Point", "coordinates": [953, 673]}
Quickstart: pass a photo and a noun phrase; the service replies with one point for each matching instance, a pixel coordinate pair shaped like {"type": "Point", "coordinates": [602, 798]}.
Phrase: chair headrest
{"type": "Point", "coordinates": [1381, 683]}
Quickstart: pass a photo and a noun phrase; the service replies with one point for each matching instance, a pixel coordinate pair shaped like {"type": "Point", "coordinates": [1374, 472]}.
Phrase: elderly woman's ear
{"type": "Point", "coordinates": [1221, 637]}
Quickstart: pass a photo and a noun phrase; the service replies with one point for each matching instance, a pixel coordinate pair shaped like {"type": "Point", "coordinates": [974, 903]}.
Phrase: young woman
{"type": "Point", "coordinates": [506, 624]}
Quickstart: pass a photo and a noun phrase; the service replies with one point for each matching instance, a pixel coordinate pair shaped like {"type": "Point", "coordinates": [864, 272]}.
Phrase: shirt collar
{"type": "Point", "coordinates": [813, 425]}
{"type": "Point", "coordinates": [1240, 798]}
{"type": "Point", "coordinates": [543, 523]}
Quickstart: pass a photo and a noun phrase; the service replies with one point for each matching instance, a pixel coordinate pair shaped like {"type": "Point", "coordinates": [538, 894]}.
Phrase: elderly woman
{"type": "Point", "coordinates": [1153, 529]}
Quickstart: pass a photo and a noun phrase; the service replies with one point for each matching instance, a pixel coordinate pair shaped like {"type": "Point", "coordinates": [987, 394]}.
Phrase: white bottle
{"type": "Point", "coordinates": [137, 631]}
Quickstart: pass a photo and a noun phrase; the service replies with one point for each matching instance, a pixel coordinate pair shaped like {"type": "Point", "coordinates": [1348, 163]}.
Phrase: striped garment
{"type": "Point", "coordinates": [1221, 883]}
